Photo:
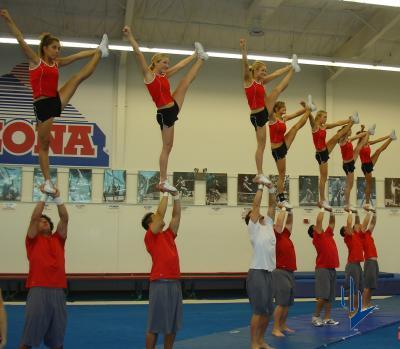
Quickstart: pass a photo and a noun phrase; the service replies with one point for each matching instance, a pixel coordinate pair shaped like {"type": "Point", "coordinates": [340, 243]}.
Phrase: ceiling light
{"type": "Point", "coordinates": [393, 3]}
{"type": "Point", "coordinates": [279, 59]}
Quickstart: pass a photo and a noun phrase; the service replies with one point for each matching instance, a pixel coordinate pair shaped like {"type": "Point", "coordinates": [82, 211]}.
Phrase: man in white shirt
{"type": "Point", "coordinates": [259, 278]}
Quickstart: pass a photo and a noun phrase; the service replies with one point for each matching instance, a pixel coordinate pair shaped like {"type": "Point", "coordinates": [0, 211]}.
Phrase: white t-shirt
{"type": "Point", "coordinates": [263, 240]}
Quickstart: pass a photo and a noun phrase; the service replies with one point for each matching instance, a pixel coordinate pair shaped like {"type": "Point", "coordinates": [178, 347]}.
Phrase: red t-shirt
{"type": "Point", "coordinates": [285, 252]}
{"type": "Point", "coordinates": [327, 253]}
{"type": "Point", "coordinates": [160, 90]}
{"type": "Point", "coordinates": [255, 94]}
{"type": "Point", "coordinates": [355, 246]}
{"type": "Point", "coordinates": [44, 80]}
{"type": "Point", "coordinates": [369, 245]}
{"type": "Point", "coordinates": [46, 261]}
{"type": "Point", "coordinates": [164, 255]}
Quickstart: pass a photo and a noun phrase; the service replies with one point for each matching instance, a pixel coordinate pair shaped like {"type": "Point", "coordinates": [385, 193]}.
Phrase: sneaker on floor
{"type": "Point", "coordinates": [393, 136]}
{"type": "Point", "coordinates": [371, 129]}
{"type": "Point", "coordinates": [295, 63]}
{"type": "Point", "coordinates": [355, 118]}
{"type": "Point", "coordinates": [262, 179]}
{"type": "Point", "coordinates": [317, 321]}
{"type": "Point", "coordinates": [49, 188]}
{"type": "Point", "coordinates": [166, 187]}
{"type": "Point", "coordinates": [326, 206]}
{"type": "Point", "coordinates": [103, 46]}
{"type": "Point", "coordinates": [310, 104]}
{"type": "Point", "coordinates": [330, 322]}
{"type": "Point", "coordinates": [199, 49]}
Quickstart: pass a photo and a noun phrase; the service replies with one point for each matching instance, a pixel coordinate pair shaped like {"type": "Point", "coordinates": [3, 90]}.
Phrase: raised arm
{"type": "Point", "coordinates": [337, 124]}
{"type": "Point", "coordinates": [280, 220]}
{"type": "Point", "coordinates": [62, 226]}
{"type": "Point", "coordinates": [312, 121]}
{"type": "Point", "coordinates": [176, 214]}
{"type": "Point", "coordinates": [35, 218]}
{"type": "Point", "coordinates": [181, 64]}
{"type": "Point", "coordinates": [140, 59]}
{"type": "Point", "coordinates": [247, 78]}
{"type": "Point", "coordinates": [277, 73]}
{"type": "Point", "coordinates": [63, 61]}
{"type": "Point", "coordinates": [271, 203]}
{"type": "Point", "coordinates": [297, 113]}
{"type": "Point", "coordinates": [33, 58]}
{"type": "Point", "coordinates": [289, 221]}
{"type": "Point", "coordinates": [357, 223]}
{"type": "Point", "coordinates": [318, 223]}
{"type": "Point", "coordinates": [349, 224]}
{"type": "Point", "coordinates": [3, 324]}
{"type": "Point", "coordinates": [372, 223]}
{"type": "Point", "coordinates": [255, 210]}
{"type": "Point", "coordinates": [332, 220]}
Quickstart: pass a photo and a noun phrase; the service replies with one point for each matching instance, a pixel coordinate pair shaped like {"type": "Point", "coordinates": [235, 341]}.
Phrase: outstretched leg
{"type": "Point", "coordinates": [67, 91]}
{"type": "Point", "coordinates": [271, 99]}
{"type": "Point", "coordinates": [180, 92]}
{"type": "Point", "coordinates": [167, 135]}
{"type": "Point", "coordinates": [289, 136]}
{"type": "Point", "coordinates": [334, 140]}
{"type": "Point", "coordinates": [261, 135]}
{"type": "Point", "coordinates": [378, 152]}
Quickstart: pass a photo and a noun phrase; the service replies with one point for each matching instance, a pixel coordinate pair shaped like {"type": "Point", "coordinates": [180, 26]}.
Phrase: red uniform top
{"type": "Point", "coordinates": [355, 246]}
{"type": "Point", "coordinates": [285, 253]}
{"type": "Point", "coordinates": [327, 253]}
{"type": "Point", "coordinates": [44, 80]}
{"type": "Point", "coordinates": [164, 255]}
{"type": "Point", "coordinates": [255, 94]}
{"type": "Point", "coordinates": [160, 90]}
{"type": "Point", "coordinates": [347, 151]}
{"type": "Point", "coordinates": [277, 131]}
{"type": "Point", "coordinates": [365, 154]}
{"type": "Point", "coordinates": [46, 261]}
{"type": "Point", "coordinates": [319, 137]}
{"type": "Point", "coordinates": [369, 245]}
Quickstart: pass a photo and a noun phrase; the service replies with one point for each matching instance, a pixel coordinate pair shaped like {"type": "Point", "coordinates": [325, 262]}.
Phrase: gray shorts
{"type": "Point", "coordinates": [165, 306]}
{"type": "Point", "coordinates": [354, 270]}
{"type": "Point", "coordinates": [325, 284]}
{"type": "Point", "coordinates": [260, 291]}
{"type": "Point", "coordinates": [45, 317]}
{"type": "Point", "coordinates": [284, 284]}
{"type": "Point", "coordinates": [371, 274]}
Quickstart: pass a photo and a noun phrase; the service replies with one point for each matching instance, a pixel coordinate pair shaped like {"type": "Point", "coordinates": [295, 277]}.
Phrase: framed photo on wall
{"type": "Point", "coordinates": [114, 185]}
{"type": "Point", "coordinates": [10, 183]}
{"type": "Point", "coordinates": [184, 183]}
{"type": "Point", "coordinates": [308, 191]}
{"type": "Point", "coordinates": [274, 180]}
{"type": "Point", "coordinates": [392, 192]}
{"type": "Point", "coordinates": [147, 192]}
{"type": "Point", "coordinates": [361, 192]}
{"type": "Point", "coordinates": [246, 189]}
{"type": "Point", "coordinates": [336, 187]}
{"type": "Point", "coordinates": [38, 180]}
{"type": "Point", "coordinates": [80, 185]}
{"type": "Point", "coordinates": [216, 189]}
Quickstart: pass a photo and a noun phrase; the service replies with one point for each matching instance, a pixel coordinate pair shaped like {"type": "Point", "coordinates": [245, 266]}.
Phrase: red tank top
{"type": "Point", "coordinates": [160, 90]}
{"type": "Point", "coordinates": [347, 151]}
{"type": "Point", "coordinates": [319, 137]}
{"type": "Point", "coordinates": [44, 80]}
{"type": "Point", "coordinates": [255, 94]}
{"type": "Point", "coordinates": [277, 131]}
{"type": "Point", "coordinates": [365, 154]}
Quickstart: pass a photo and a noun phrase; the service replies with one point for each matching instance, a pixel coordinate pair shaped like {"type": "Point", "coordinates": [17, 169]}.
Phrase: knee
{"type": "Point", "coordinates": [44, 143]}
{"type": "Point", "coordinates": [167, 147]}
{"type": "Point", "coordinates": [261, 143]}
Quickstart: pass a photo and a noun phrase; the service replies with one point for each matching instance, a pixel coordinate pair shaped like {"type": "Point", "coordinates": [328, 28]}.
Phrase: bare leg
{"type": "Point", "coordinates": [169, 340]}
{"type": "Point", "coordinates": [349, 186]}
{"type": "Point", "coordinates": [151, 340]}
{"type": "Point", "coordinates": [284, 326]}
{"type": "Point", "coordinates": [289, 136]}
{"type": "Point", "coordinates": [281, 166]}
{"type": "Point", "coordinates": [261, 135]}
{"type": "Point", "coordinates": [271, 99]}
{"type": "Point", "coordinates": [360, 144]}
{"type": "Point", "coordinates": [43, 130]}
{"type": "Point", "coordinates": [167, 135]}
{"type": "Point", "coordinates": [180, 92]}
{"type": "Point", "coordinates": [263, 328]}
{"type": "Point", "coordinates": [278, 315]}
{"type": "Point", "coordinates": [318, 307]}
{"type": "Point", "coordinates": [366, 298]}
{"type": "Point", "coordinates": [323, 176]}
{"type": "Point", "coordinates": [328, 307]}
{"type": "Point", "coordinates": [378, 152]}
{"type": "Point", "coordinates": [67, 91]}
{"type": "Point", "coordinates": [334, 140]}
{"type": "Point", "coordinates": [368, 188]}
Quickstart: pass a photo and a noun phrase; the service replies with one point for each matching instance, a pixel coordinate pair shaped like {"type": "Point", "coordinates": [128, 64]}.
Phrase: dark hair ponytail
{"type": "Point", "coordinates": [46, 39]}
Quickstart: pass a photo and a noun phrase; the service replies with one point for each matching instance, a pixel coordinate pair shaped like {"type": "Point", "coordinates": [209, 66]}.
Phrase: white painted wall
{"type": "Point", "coordinates": [214, 132]}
